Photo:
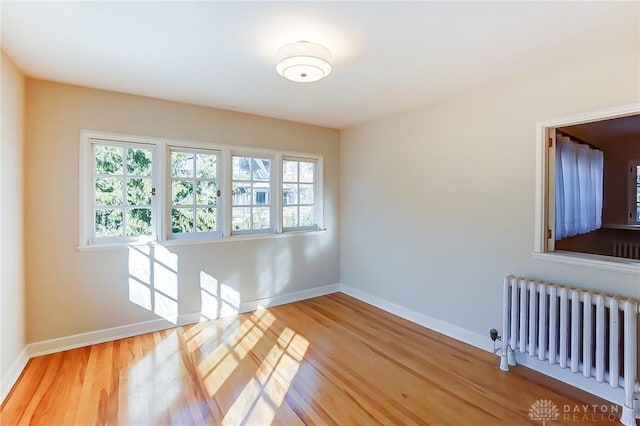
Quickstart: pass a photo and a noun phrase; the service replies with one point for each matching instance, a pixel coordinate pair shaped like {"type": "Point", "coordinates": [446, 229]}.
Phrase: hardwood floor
{"type": "Point", "coordinates": [328, 360]}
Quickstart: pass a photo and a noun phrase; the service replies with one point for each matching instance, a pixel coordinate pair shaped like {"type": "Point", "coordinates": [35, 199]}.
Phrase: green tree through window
{"type": "Point", "coordinates": [123, 190]}
{"type": "Point", "coordinates": [194, 191]}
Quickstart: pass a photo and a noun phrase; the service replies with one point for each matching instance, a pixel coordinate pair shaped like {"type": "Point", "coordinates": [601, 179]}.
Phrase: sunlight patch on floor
{"type": "Point", "coordinates": [155, 381]}
{"type": "Point", "coordinates": [265, 392]}
{"type": "Point", "coordinates": [216, 368]}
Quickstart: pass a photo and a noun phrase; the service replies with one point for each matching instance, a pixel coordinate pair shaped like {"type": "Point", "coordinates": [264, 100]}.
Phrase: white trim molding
{"type": "Point", "coordinates": [296, 296]}
{"type": "Point", "coordinates": [11, 377]}
{"type": "Point", "coordinates": [456, 332]}
{"type": "Point", "coordinates": [595, 261]}
{"type": "Point", "coordinates": [121, 332]}
{"type": "Point", "coordinates": [45, 347]}
{"type": "Point", "coordinates": [59, 344]}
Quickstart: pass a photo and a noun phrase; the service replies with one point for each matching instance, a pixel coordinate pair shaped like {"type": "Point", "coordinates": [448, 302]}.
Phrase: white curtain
{"type": "Point", "coordinates": [579, 171]}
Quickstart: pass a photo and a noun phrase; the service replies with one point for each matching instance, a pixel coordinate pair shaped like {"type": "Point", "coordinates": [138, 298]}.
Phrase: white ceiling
{"type": "Point", "coordinates": [388, 56]}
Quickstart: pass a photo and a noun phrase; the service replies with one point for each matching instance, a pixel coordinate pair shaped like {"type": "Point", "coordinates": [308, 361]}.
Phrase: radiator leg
{"type": "Point", "coordinates": [504, 365]}
{"type": "Point", "coordinates": [511, 356]}
{"type": "Point", "coordinates": [628, 416]}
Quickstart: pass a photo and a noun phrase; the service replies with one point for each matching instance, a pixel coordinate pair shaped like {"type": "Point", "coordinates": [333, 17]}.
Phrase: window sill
{"type": "Point", "coordinates": [628, 227]}
{"type": "Point", "coordinates": [607, 263]}
{"type": "Point", "coordinates": [184, 242]}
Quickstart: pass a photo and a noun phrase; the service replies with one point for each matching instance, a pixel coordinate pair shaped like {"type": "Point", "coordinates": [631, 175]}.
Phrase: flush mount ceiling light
{"type": "Point", "coordinates": [303, 61]}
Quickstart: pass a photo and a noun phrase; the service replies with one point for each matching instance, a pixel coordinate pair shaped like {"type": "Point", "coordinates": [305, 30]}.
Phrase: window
{"type": "Point", "coordinates": [140, 189]}
{"type": "Point", "coordinates": [298, 194]}
{"type": "Point", "coordinates": [194, 193]}
{"type": "Point", "coordinates": [634, 192]}
{"type": "Point", "coordinates": [615, 132]}
{"type": "Point", "coordinates": [122, 191]}
{"type": "Point", "coordinates": [251, 194]}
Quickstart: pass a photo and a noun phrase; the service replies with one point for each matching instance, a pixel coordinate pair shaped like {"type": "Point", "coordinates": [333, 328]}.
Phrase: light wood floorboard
{"type": "Point", "coordinates": [331, 360]}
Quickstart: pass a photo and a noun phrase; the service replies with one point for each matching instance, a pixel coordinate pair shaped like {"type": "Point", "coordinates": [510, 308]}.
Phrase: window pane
{"type": "Point", "coordinates": [306, 216]}
{"type": "Point", "coordinates": [206, 165]}
{"type": "Point", "coordinates": [638, 213]}
{"type": "Point", "coordinates": [181, 192]}
{"type": "Point", "coordinates": [256, 191]}
{"type": "Point", "coordinates": [139, 162]}
{"type": "Point", "coordinates": [181, 220]}
{"type": "Point", "coordinates": [206, 220]}
{"type": "Point", "coordinates": [290, 171]}
{"type": "Point", "coordinates": [108, 191]}
{"type": "Point", "coordinates": [241, 168]}
{"type": "Point", "coordinates": [289, 194]}
{"type": "Point", "coordinates": [241, 194]}
{"type": "Point", "coordinates": [261, 218]}
{"type": "Point", "coordinates": [638, 174]}
{"type": "Point", "coordinates": [262, 194]}
{"type": "Point", "coordinates": [138, 222]}
{"type": "Point", "coordinates": [206, 193]}
{"type": "Point", "coordinates": [289, 217]}
{"type": "Point", "coordinates": [182, 164]}
{"type": "Point", "coordinates": [241, 218]}
{"type": "Point", "coordinates": [306, 172]}
{"type": "Point", "coordinates": [109, 159]}
{"type": "Point", "coordinates": [109, 223]}
{"type": "Point", "coordinates": [306, 194]}
{"type": "Point", "coordinates": [298, 193]}
{"type": "Point", "coordinates": [139, 192]}
{"type": "Point", "coordinates": [261, 169]}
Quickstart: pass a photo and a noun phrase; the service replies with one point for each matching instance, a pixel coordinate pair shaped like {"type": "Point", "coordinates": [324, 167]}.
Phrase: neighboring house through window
{"type": "Point", "coordinates": [298, 193]}
{"type": "Point", "coordinates": [251, 194]}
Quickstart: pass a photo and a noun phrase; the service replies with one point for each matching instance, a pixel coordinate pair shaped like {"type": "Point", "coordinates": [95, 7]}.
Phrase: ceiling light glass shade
{"type": "Point", "coordinates": [303, 62]}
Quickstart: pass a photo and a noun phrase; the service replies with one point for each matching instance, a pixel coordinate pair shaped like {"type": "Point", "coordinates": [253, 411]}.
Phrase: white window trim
{"type": "Point", "coordinates": [85, 179]}
{"type": "Point", "coordinates": [162, 179]}
{"type": "Point", "coordinates": [275, 194]}
{"type": "Point", "coordinates": [317, 198]}
{"type": "Point", "coordinates": [154, 199]}
{"type": "Point", "coordinates": [167, 195]}
{"type": "Point", "coordinates": [544, 202]}
{"type": "Point", "coordinates": [319, 159]}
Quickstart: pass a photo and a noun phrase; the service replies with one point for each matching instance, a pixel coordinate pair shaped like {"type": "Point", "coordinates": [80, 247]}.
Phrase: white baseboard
{"type": "Point", "coordinates": [295, 296]}
{"type": "Point", "coordinates": [74, 341]}
{"type": "Point", "coordinates": [475, 339]}
{"type": "Point", "coordinates": [13, 374]}
{"type": "Point", "coordinates": [108, 334]}
{"type": "Point", "coordinates": [587, 384]}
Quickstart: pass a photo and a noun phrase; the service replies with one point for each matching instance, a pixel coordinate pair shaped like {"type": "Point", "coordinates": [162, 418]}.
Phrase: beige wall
{"type": "Point", "coordinates": [72, 292]}
{"type": "Point", "coordinates": [437, 204]}
{"type": "Point", "coordinates": [12, 285]}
